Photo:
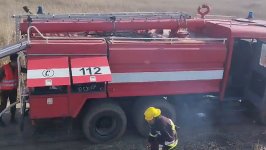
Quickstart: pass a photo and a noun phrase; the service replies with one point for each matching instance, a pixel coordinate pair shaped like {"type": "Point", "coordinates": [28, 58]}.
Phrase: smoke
{"type": "Point", "coordinates": [202, 120]}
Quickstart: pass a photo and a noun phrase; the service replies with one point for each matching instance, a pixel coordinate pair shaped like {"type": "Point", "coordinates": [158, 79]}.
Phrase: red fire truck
{"type": "Point", "coordinates": [91, 65]}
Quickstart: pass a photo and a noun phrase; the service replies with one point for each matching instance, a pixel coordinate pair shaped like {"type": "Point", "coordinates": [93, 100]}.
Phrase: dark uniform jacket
{"type": "Point", "coordinates": [2, 74]}
{"type": "Point", "coordinates": [163, 132]}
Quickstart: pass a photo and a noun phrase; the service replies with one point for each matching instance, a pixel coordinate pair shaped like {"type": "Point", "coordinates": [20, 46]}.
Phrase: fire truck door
{"type": "Point", "coordinates": [255, 90]}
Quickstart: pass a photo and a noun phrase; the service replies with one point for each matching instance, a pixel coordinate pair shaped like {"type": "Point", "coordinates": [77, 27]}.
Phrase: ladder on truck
{"type": "Point", "coordinates": [13, 48]}
{"type": "Point", "coordinates": [94, 17]}
{"type": "Point", "coordinates": [104, 16]}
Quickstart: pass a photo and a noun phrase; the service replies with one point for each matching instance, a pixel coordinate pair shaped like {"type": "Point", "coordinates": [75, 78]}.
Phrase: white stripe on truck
{"type": "Point", "coordinates": [166, 76]}
{"type": "Point", "coordinates": [47, 73]}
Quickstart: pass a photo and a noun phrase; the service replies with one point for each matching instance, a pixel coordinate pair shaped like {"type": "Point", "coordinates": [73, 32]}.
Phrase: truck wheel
{"type": "Point", "coordinates": [142, 104]}
{"type": "Point", "coordinates": [104, 121]}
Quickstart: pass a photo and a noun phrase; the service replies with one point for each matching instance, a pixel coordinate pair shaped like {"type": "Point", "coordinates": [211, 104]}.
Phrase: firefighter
{"type": "Point", "coordinates": [8, 88]}
{"type": "Point", "coordinates": [163, 133]}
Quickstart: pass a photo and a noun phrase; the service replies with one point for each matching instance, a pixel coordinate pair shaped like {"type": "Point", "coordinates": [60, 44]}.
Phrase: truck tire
{"type": "Point", "coordinates": [257, 113]}
{"type": "Point", "coordinates": [104, 121]}
{"type": "Point", "coordinates": [142, 104]}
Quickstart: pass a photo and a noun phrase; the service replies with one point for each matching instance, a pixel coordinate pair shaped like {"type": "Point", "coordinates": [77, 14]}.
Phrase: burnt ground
{"type": "Point", "coordinates": [231, 130]}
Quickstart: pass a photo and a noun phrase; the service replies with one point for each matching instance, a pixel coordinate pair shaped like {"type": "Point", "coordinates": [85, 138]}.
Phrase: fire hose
{"type": "Point", "coordinates": [21, 123]}
{"type": "Point", "coordinates": [8, 107]}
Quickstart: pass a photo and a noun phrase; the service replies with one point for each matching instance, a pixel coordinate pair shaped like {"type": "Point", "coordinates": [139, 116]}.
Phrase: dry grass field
{"type": "Point", "coordinates": [224, 7]}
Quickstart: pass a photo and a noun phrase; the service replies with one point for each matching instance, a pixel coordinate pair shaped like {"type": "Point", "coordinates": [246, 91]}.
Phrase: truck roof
{"type": "Point", "coordinates": [243, 28]}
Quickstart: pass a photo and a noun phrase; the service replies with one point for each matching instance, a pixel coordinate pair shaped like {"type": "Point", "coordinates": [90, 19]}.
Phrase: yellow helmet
{"type": "Point", "coordinates": [151, 113]}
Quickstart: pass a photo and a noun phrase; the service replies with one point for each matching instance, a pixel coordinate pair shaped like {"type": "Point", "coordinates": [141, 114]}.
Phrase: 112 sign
{"type": "Point", "coordinates": [91, 71]}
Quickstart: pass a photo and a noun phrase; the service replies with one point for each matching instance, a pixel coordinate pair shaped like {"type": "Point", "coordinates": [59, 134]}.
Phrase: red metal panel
{"type": "Point", "coordinates": [66, 48]}
{"type": "Point", "coordinates": [146, 57]}
{"type": "Point", "coordinates": [77, 101]}
{"type": "Point", "coordinates": [135, 58]}
{"type": "Point", "coordinates": [163, 88]}
{"type": "Point", "coordinates": [241, 29]}
{"type": "Point", "coordinates": [48, 107]}
{"type": "Point", "coordinates": [90, 69]}
{"type": "Point", "coordinates": [227, 67]}
{"type": "Point", "coordinates": [167, 53]}
{"type": "Point", "coordinates": [47, 71]}
{"type": "Point", "coordinates": [142, 24]}
{"type": "Point", "coordinates": [216, 30]}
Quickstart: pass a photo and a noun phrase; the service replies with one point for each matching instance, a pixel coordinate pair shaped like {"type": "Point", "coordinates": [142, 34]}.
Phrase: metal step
{"type": "Point", "coordinates": [14, 48]}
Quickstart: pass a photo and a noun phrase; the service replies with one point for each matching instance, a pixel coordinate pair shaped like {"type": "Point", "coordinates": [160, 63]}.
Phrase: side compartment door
{"type": "Point", "coordinates": [89, 77]}
{"type": "Point", "coordinates": [48, 78]}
